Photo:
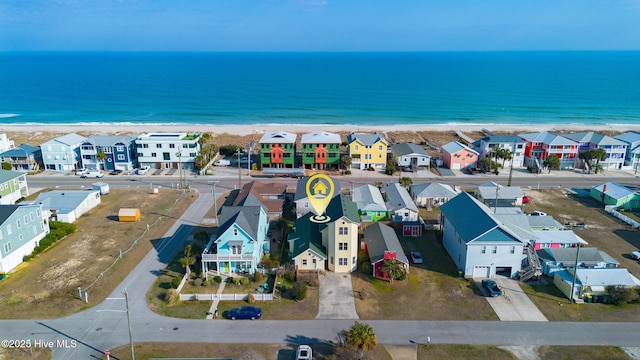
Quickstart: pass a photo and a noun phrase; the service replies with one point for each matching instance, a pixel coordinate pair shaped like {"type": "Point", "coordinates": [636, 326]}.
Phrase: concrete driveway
{"type": "Point", "coordinates": [336, 297]}
{"type": "Point", "coordinates": [514, 304]}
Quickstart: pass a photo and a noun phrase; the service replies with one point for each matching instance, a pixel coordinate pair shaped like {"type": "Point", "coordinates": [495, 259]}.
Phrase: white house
{"type": "Point", "coordinates": [6, 143]}
{"type": "Point", "coordinates": [632, 157]}
{"type": "Point", "coordinates": [21, 229]}
{"type": "Point", "coordinates": [615, 149]}
{"type": "Point", "coordinates": [479, 244]}
{"type": "Point", "coordinates": [487, 146]}
{"type": "Point", "coordinates": [168, 150]}
{"type": "Point", "coordinates": [62, 153]}
{"type": "Point", "coordinates": [411, 155]}
{"type": "Point", "coordinates": [68, 205]}
{"type": "Point", "coordinates": [490, 193]}
{"type": "Point", "coordinates": [431, 194]}
{"type": "Point", "coordinates": [399, 204]}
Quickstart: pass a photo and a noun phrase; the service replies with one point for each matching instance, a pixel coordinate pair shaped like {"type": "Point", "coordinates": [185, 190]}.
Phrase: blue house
{"type": "Point", "coordinates": [632, 156]}
{"type": "Point", "coordinates": [120, 152]}
{"type": "Point", "coordinates": [21, 229]}
{"type": "Point", "coordinates": [62, 153]}
{"type": "Point", "coordinates": [240, 242]}
{"type": "Point", "coordinates": [23, 158]}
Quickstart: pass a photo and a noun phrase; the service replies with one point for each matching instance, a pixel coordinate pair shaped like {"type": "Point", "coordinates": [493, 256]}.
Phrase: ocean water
{"type": "Point", "coordinates": [582, 88]}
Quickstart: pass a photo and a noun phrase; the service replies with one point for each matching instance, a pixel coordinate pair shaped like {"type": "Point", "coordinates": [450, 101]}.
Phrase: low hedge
{"type": "Point", "coordinates": [57, 231]}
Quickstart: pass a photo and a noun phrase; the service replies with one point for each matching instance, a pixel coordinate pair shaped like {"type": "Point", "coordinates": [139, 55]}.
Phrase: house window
{"type": "Point", "coordinates": [154, 154]}
{"type": "Point", "coordinates": [120, 148]}
{"type": "Point", "coordinates": [7, 247]}
{"type": "Point", "coordinates": [120, 157]}
{"type": "Point", "coordinates": [158, 146]}
{"type": "Point", "coordinates": [343, 261]}
{"type": "Point", "coordinates": [484, 250]}
{"type": "Point", "coordinates": [343, 230]}
{"type": "Point", "coordinates": [9, 231]}
{"type": "Point", "coordinates": [342, 246]}
{"type": "Point", "coordinates": [380, 147]}
{"type": "Point", "coordinates": [379, 156]}
{"type": "Point", "coordinates": [20, 237]}
{"type": "Point", "coordinates": [26, 219]}
{"type": "Point", "coordinates": [353, 260]}
{"type": "Point", "coordinates": [356, 147]}
{"type": "Point", "coordinates": [107, 150]}
{"type": "Point", "coordinates": [235, 232]}
{"type": "Point", "coordinates": [512, 250]}
{"type": "Point", "coordinates": [304, 262]}
{"type": "Point", "coordinates": [166, 156]}
{"type": "Point", "coordinates": [18, 224]}
{"type": "Point", "coordinates": [38, 212]}
{"type": "Point", "coordinates": [495, 250]}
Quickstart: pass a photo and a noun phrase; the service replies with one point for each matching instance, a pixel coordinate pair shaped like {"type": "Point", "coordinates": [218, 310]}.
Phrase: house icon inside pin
{"type": "Point", "coordinates": [320, 188]}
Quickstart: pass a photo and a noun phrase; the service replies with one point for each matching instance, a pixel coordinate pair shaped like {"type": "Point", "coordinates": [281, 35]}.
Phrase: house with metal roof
{"type": "Point", "coordinates": [399, 204]}
{"type": "Point", "coordinates": [381, 244]}
{"type": "Point", "coordinates": [23, 158]}
{"type": "Point", "coordinates": [632, 156]}
{"type": "Point", "coordinates": [269, 195]}
{"type": "Point", "coordinates": [305, 245]}
{"type": "Point", "coordinates": [370, 203]}
{"type": "Point", "coordinates": [411, 155]}
{"type": "Point", "coordinates": [340, 235]}
{"type": "Point", "coordinates": [301, 200]}
{"type": "Point", "coordinates": [559, 259]}
{"type": "Point", "coordinates": [321, 150]}
{"type": "Point", "coordinates": [544, 223]}
{"type": "Point", "coordinates": [487, 146]}
{"type": "Point", "coordinates": [176, 150]}
{"type": "Point", "coordinates": [240, 242]}
{"type": "Point", "coordinates": [118, 152]}
{"type": "Point", "coordinates": [13, 186]}
{"type": "Point", "coordinates": [613, 194]}
{"type": "Point", "coordinates": [590, 140]}
{"type": "Point", "coordinates": [62, 153]}
{"type": "Point", "coordinates": [554, 239]}
{"type": "Point", "coordinates": [457, 156]}
{"type": "Point", "coordinates": [68, 205]}
{"type": "Point", "coordinates": [540, 145]}
{"type": "Point", "coordinates": [498, 195]}
{"type": "Point", "coordinates": [21, 229]}
{"type": "Point", "coordinates": [367, 151]}
{"type": "Point", "coordinates": [431, 194]}
{"type": "Point", "coordinates": [591, 284]}
{"type": "Point", "coordinates": [479, 244]}
{"type": "Point", "coordinates": [278, 150]}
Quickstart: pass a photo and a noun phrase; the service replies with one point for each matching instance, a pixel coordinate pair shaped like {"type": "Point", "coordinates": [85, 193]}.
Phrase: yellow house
{"type": "Point", "coordinates": [340, 236]}
{"type": "Point", "coordinates": [367, 150]}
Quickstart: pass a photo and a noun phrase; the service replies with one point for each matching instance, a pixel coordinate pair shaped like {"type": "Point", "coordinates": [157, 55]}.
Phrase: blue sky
{"type": "Point", "coordinates": [318, 25]}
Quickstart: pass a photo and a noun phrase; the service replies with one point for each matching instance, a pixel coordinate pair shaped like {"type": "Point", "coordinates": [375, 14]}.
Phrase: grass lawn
{"type": "Point", "coordinates": [435, 283]}
{"type": "Point", "coordinates": [455, 352]}
{"type": "Point", "coordinates": [27, 354]}
{"type": "Point", "coordinates": [47, 286]}
{"type": "Point", "coordinates": [582, 353]}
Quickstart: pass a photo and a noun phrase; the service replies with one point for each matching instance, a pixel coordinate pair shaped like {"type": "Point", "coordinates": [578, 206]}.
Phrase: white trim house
{"type": "Point", "coordinates": [21, 229]}
{"type": "Point", "coordinates": [168, 150]}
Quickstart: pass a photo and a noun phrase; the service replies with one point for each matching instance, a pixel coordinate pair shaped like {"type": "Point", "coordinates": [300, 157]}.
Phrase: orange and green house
{"type": "Point", "coordinates": [278, 150]}
{"type": "Point", "coordinates": [321, 150]}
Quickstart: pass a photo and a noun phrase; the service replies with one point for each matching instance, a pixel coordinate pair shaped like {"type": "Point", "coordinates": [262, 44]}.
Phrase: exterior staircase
{"type": "Point", "coordinates": [533, 268]}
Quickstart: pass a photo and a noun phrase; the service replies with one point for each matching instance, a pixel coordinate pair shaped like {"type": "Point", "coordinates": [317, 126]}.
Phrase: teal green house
{"type": "Point", "coordinates": [370, 203]}
{"type": "Point", "coordinates": [616, 195]}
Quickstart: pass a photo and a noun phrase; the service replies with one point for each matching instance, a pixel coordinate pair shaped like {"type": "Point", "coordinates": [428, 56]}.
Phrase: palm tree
{"type": "Point", "coordinates": [552, 162]}
{"type": "Point", "coordinates": [362, 336]}
{"type": "Point", "coordinates": [505, 155]}
{"type": "Point", "coordinates": [346, 161]}
{"type": "Point", "coordinates": [187, 261]}
{"type": "Point", "coordinates": [101, 156]}
{"type": "Point", "coordinates": [405, 181]}
{"type": "Point", "coordinates": [586, 156]}
{"type": "Point", "coordinates": [599, 154]}
{"type": "Point", "coordinates": [393, 269]}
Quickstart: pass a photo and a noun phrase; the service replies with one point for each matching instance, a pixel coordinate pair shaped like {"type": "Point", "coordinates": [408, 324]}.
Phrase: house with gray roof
{"type": "Point", "coordinates": [457, 156]}
{"type": "Point", "coordinates": [370, 203]}
{"type": "Point", "coordinates": [21, 229]}
{"type": "Point", "coordinates": [68, 205]}
{"type": "Point", "coordinates": [540, 145]}
{"type": "Point", "coordinates": [119, 152]}
{"type": "Point", "coordinates": [431, 194]}
{"type": "Point", "coordinates": [544, 223]}
{"type": "Point", "coordinates": [367, 151]}
{"type": "Point", "coordinates": [487, 146]}
{"type": "Point", "coordinates": [503, 196]}
{"type": "Point", "coordinates": [13, 186]}
{"type": "Point", "coordinates": [381, 244]}
{"type": "Point", "coordinates": [411, 155]}
{"type": "Point", "coordinates": [23, 158]}
{"type": "Point", "coordinates": [559, 259]}
{"type": "Point", "coordinates": [591, 284]}
{"type": "Point", "coordinates": [479, 244]}
{"type": "Point", "coordinates": [590, 140]}
{"type": "Point", "coordinates": [399, 204]}
{"type": "Point", "coordinates": [632, 156]}
{"type": "Point", "coordinates": [551, 239]}
{"type": "Point", "coordinates": [613, 194]}
{"type": "Point", "coordinates": [301, 200]}
{"type": "Point", "coordinates": [62, 153]}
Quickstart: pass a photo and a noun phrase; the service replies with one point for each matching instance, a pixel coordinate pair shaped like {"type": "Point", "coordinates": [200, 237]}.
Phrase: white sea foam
{"type": "Point", "coordinates": [4, 116]}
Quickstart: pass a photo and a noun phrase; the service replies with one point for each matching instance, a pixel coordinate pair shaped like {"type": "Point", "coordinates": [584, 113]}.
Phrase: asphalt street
{"type": "Point", "coordinates": [105, 326]}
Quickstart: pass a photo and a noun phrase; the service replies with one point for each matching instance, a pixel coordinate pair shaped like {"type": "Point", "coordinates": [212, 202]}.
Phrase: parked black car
{"type": "Point", "coordinates": [492, 287]}
{"type": "Point", "coordinates": [245, 312]}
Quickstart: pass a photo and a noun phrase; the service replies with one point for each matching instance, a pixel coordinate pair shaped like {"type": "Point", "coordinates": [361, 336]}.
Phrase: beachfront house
{"type": "Point", "coordinates": [457, 156]}
{"type": "Point", "coordinates": [616, 195]}
{"type": "Point", "coordinates": [497, 147]}
{"type": "Point", "coordinates": [62, 153]}
{"type": "Point", "coordinates": [240, 242]}
{"type": "Point", "coordinates": [632, 156]}
{"type": "Point", "coordinates": [431, 194]}
{"type": "Point", "coordinates": [590, 140]}
{"type": "Point", "coordinates": [301, 199]}
{"type": "Point", "coordinates": [21, 229]}
{"type": "Point", "coordinates": [321, 150]}
{"type": "Point", "coordinates": [5, 143]}
{"type": "Point", "coordinates": [23, 158]}
{"type": "Point", "coordinates": [400, 206]}
{"type": "Point", "coordinates": [109, 152]}
{"type": "Point", "coordinates": [168, 150]}
{"type": "Point", "coordinates": [540, 145]}
{"type": "Point", "coordinates": [381, 243]}
{"type": "Point", "coordinates": [411, 156]}
{"type": "Point", "coordinates": [370, 203]}
{"type": "Point", "coordinates": [591, 284]}
{"type": "Point", "coordinates": [13, 186]}
{"type": "Point", "coordinates": [67, 205]}
{"type": "Point", "coordinates": [278, 150]}
{"type": "Point", "coordinates": [367, 151]}
{"type": "Point", "coordinates": [479, 244]}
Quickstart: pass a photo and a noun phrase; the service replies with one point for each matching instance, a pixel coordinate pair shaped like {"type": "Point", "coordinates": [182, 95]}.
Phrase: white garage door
{"type": "Point", "coordinates": [457, 166]}
{"type": "Point", "coordinates": [481, 271]}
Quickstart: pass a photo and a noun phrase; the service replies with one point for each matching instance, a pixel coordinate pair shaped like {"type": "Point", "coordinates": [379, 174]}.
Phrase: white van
{"type": "Point", "coordinates": [222, 163]}
{"type": "Point", "coordinates": [93, 174]}
{"type": "Point", "coordinates": [143, 170]}
{"type": "Point", "coordinates": [635, 255]}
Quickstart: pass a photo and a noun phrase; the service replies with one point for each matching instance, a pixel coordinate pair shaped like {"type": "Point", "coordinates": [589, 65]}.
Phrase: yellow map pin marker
{"type": "Point", "coordinates": [320, 190]}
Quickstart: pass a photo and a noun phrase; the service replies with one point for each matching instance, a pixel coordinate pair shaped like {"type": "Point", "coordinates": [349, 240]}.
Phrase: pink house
{"type": "Point", "coordinates": [457, 156]}
{"type": "Point", "coordinates": [555, 239]}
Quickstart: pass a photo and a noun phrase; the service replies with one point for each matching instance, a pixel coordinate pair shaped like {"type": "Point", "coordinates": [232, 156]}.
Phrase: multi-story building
{"type": "Point", "coordinates": [168, 150]}
{"type": "Point", "coordinates": [62, 153]}
{"type": "Point", "coordinates": [458, 156]}
{"type": "Point", "coordinates": [13, 186]}
{"type": "Point", "coordinates": [118, 151]}
{"type": "Point", "coordinates": [278, 150]}
{"type": "Point", "coordinates": [489, 145]}
{"type": "Point", "coordinates": [540, 145]}
{"type": "Point", "coordinates": [340, 236]}
{"type": "Point", "coordinates": [5, 143]}
{"type": "Point", "coordinates": [367, 150]}
{"type": "Point", "coordinates": [632, 156]}
{"type": "Point", "coordinates": [321, 150]}
{"type": "Point", "coordinates": [21, 229]}
{"type": "Point", "coordinates": [615, 149]}
{"type": "Point", "coordinates": [23, 158]}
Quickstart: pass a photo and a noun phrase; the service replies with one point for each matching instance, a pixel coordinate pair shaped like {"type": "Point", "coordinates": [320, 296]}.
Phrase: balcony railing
{"type": "Point", "coordinates": [217, 257]}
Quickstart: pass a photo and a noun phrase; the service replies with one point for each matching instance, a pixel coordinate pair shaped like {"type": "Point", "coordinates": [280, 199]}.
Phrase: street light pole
{"type": "Point", "coordinates": [179, 155]}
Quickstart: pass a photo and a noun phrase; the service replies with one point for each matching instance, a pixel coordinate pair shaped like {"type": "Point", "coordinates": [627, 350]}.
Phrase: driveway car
{"type": "Point", "coordinates": [304, 352]}
{"type": "Point", "coordinates": [116, 172]}
{"type": "Point", "coordinates": [538, 213]}
{"type": "Point", "coordinates": [635, 255]}
{"type": "Point", "coordinates": [492, 287]}
{"type": "Point", "coordinates": [525, 200]}
{"type": "Point", "coordinates": [245, 312]}
{"type": "Point", "coordinates": [416, 257]}
{"type": "Point", "coordinates": [81, 171]}
{"type": "Point", "coordinates": [143, 170]}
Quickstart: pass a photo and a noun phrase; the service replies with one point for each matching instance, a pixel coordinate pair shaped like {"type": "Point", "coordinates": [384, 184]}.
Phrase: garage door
{"type": "Point", "coordinates": [457, 166]}
{"type": "Point", "coordinates": [481, 271]}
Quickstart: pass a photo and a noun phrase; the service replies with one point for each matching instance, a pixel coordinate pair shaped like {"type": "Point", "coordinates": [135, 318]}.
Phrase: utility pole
{"type": "Point", "coordinates": [215, 205]}
{"type": "Point", "coordinates": [126, 300]}
{"type": "Point", "coordinates": [179, 155]}
{"type": "Point", "coordinates": [239, 171]}
{"type": "Point", "coordinates": [575, 272]}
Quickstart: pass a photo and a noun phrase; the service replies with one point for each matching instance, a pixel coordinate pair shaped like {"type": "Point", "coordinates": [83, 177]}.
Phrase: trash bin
{"type": "Point", "coordinates": [589, 299]}
{"type": "Point", "coordinates": [460, 273]}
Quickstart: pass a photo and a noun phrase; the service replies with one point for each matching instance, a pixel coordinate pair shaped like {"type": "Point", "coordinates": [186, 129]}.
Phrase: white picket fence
{"type": "Point", "coordinates": [226, 297]}
{"type": "Point", "coordinates": [611, 210]}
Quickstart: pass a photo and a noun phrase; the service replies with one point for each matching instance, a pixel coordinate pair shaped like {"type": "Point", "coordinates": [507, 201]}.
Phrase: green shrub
{"type": "Point", "coordinates": [175, 282]}
{"type": "Point", "coordinates": [363, 257]}
{"type": "Point", "coordinates": [299, 290]}
{"type": "Point", "coordinates": [217, 279]}
{"type": "Point", "coordinates": [365, 268]}
{"type": "Point", "coordinates": [347, 172]}
{"type": "Point", "coordinates": [244, 281]}
{"type": "Point", "coordinates": [57, 230]}
{"type": "Point", "coordinates": [231, 280]}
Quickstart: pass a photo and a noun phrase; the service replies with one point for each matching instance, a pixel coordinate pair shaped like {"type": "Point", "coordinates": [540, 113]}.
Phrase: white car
{"type": "Point", "coordinates": [416, 257]}
{"type": "Point", "coordinates": [538, 213]}
{"type": "Point", "coordinates": [635, 255]}
{"type": "Point", "coordinates": [222, 162]}
{"type": "Point", "coordinates": [93, 174]}
{"type": "Point", "coordinates": [143, 170]}
{"type": "Point", "coordinates": [304, 352]}
{"type": "Point", "coordinates": [81, 171]}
